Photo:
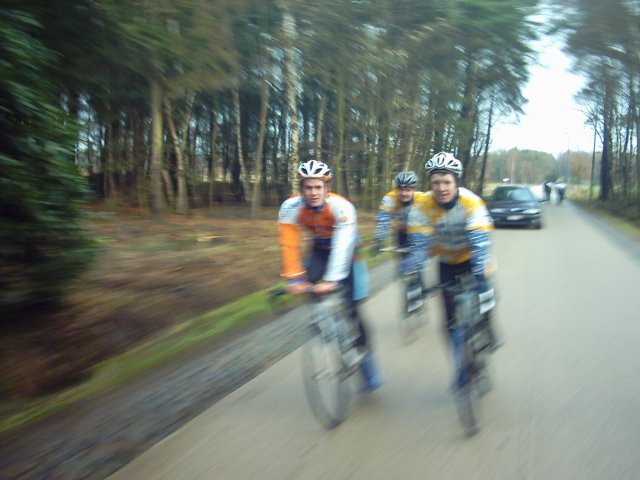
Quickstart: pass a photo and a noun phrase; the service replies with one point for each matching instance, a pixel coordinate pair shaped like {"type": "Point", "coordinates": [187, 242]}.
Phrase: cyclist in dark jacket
{"type": "Point", "coordinates": [561, 189]}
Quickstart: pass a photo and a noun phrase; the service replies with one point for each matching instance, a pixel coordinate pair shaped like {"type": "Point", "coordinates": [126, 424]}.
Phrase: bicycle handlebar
{"type": "Point", "coordinates": [279, 291]}
{"type": "Point", "coordinates": [462, 283]}
{"type": "Point", "coordinates": [396, 249]}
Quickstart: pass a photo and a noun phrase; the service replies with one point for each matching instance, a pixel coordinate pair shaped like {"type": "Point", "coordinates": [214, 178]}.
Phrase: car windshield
{"type": "Point", "coordinates": [513, 194]}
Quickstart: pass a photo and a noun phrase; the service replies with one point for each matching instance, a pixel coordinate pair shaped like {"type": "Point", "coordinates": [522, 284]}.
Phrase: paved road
{"type": "Point", "coordinates": [565, 404]}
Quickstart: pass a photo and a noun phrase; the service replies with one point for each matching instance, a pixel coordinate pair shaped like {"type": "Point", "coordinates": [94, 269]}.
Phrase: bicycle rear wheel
{"type": "Point", "coordinates": [466, 404]}
{"type": "Point", "coordinates": [482, 345]}
{"type": "Point", "coordinates": [468, 369]}
{"type": "Point", "coordinates": [466, 398]}
{"type": "Point", "coordinates": [324, 379]}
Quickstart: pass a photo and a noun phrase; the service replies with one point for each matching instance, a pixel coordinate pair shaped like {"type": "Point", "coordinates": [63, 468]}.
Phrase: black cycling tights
{"type": "Point", "coordinates": [448, 273]}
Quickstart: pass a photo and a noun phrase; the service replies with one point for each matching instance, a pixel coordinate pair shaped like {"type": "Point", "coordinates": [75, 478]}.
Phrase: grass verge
{"type": "Point", "coordinates": [158, 350]}
{"type": "Point", "coordinates": [620, 223]}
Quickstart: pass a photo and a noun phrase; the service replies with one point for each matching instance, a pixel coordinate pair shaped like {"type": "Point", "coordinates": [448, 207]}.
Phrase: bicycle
{"type": "Point", "coordinates": [329, 358]}
{"type": "Point", "coordinates": [413, 312]}
{"type": "Point", "coordinates": [470, 345]}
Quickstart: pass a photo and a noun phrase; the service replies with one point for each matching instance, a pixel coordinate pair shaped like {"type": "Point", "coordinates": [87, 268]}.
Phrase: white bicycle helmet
{"type": "Point", "coordinates": [444, 162]}
{"type": "Point", "coordinates": [314, 169]}
{"type": "Point", "coordinates": [406, 179]}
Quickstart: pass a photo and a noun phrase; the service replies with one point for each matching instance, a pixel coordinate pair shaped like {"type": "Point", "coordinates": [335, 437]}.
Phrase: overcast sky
{"type": "Point", "coordinates": [552, 121]}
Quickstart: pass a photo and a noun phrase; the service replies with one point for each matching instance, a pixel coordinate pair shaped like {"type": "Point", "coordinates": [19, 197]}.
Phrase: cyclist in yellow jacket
{"type": "Point", "coordinates": [393, 212]}
{"type": "Point", "coordinates": [453, 224]}
{"type": "Point", "coordinates": [391, 221]}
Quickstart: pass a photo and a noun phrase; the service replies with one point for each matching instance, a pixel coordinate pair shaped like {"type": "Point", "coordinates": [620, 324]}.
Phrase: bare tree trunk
{"type": "Point", "coordinates": [411, 126]}
{"type": "Point", "coordinates": [256, 200]}
{"type": "Point", "coordinates": [244, 174]}
{"type": "Point", "coordinates": [289, 31]}
{"type": "Point", "coordinates": [338, 172]}
{"type": "Point", "coordinates": [636, 119]}
{"type": "Point", "coordinates": [485, 154]}
{"type": "Point", "coordinates": [139, 159]}
{"type": "Point", "coordinates": [368, 165]}
{"type": "Point", "coordinates": [226, 134]}
{"type": "Point", "coordinates": [593, 156]}
{"type": "Point", "coordinates": [467, 117]}
{"type": "Point", "coordinates": [605, 163]}
{"type": "Point", "coordinates": [422, 146]}
{"type": "Point", "coordinates": [182, 202]}
{"type": "Point", "coordinates": [282, 145]}
{"type": "Point", "coordinates": [319, 127]}
{"type": "Point", "coordinates": [632, 130]}
{"type": "Point", "coordinates": [120, 132]}
{"type": "Point", "coordinates": [306, 112]}
{"type": "Point", "coordinates": [212, 160]}
{"type": "Point", "coordinates": [275, 151]}
{"type": "Point", "coordinates": [625, 166]}
{"type": "Point", "coordinates": [157, 201]}
{"type": "Point", "coordinates": [194, 176]}
{"type": "Point", "coordinates": [107, 168]}
{"type": "Point", "coordinates": [346, 165]}
{"type": "Point", "coordinates": [386, 95]}
{"type": "Point", "coordinates": [168, 186]}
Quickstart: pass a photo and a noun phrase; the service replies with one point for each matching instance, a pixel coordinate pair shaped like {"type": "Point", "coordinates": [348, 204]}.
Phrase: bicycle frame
{"type": "Point", "coordinates": [329, 319]}
{"type": "Point", "coordinates": [410, 321]}
{"type": "Point", "coordinates": [468, 320]}
{"type": "Point", "coordinates": [469, 347]}
{"type": "Point", "coordinates": [329, 358]}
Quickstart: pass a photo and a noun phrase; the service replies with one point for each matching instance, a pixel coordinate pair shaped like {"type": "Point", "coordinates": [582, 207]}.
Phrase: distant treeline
{"type": "Point", "coordinates": [165, 101]}
{"type": "Point", "coordinates": [171, 93]}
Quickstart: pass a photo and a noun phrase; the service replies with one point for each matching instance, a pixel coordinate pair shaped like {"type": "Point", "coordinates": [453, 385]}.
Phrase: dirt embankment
{"type": "Point", "coordinates": [149, 274]}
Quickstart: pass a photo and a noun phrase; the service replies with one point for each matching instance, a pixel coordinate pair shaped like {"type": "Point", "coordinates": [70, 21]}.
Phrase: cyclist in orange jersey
{"type": "Point", "coordinates": [332, 223]}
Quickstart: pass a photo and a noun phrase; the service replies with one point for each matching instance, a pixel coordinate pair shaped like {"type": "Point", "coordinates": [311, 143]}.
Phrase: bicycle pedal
{"type": "Point", "coordinates": [414, 293]}
{"type": "Point", "coordinates": [352, 358]}
{"type": "Point", "coordinates": [347, 343]}
{"type": "Point", "coordinates": [413, 306]}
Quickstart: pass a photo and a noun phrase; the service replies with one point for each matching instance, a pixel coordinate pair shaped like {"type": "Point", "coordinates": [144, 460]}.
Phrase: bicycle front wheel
{"type": "Point", "coordinates": [414, 311]}
{"type": "Point", "coordinates": [324, 380]}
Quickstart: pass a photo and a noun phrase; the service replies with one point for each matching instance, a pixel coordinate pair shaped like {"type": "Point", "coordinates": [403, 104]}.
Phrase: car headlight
{"type": "Point", "coordinates": [498, 210]}
{"type": "Point", "coordinates": [532, 211]}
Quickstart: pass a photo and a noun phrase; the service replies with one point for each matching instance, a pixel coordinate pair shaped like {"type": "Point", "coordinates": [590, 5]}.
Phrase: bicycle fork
{"type": "Point", "coordinates": [456, 340]}
{"type": "Point", "coordinates": [351, 356]}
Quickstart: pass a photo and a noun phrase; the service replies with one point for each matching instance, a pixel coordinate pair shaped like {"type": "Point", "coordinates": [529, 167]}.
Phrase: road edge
{"type": "Point", "coordinates": [99, 435]}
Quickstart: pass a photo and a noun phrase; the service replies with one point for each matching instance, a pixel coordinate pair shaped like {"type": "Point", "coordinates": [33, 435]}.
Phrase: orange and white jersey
{"type": "Point", "coordinates": [333, 227]}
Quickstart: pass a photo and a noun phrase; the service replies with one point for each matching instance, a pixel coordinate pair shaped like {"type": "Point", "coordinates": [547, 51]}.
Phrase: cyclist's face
{"type": "Point", "coordinates": [314, 191]}
{"type": "Point", "coordinates": [405, 194]}
{"type": "Point", "coordinates": [444, 187]}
